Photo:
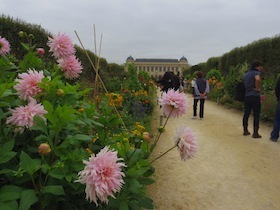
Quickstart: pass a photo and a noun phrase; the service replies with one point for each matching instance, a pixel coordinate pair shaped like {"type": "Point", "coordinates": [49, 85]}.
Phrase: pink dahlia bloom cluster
{"type": "Point", "coordinates": [70, 66]}
{"type": "Point", "coordinates": [174, 102]}
{"type": "Point", "coordinates": [4, 46]}
{"type": "Point", "coordinates": [28, 84]}
{"type": "Point", "coordinates": [186, 143]}
{"type": "Point", "coordinates": [22, 116]}
{"type": "Point", "coordinates": [63, 50]}
{"type": "Point", "coordinates": [102, 175]}
{"type": "Point", "coordinates": [61, 46]}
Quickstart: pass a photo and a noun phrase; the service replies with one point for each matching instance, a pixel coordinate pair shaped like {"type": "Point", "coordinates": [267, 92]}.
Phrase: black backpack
{"type": "Point", "coordinates": [239, 92]}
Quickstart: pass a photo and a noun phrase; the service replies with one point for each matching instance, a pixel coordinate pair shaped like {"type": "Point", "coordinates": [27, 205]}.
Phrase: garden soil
{"type": "Point", "coordinates": [229, 172]}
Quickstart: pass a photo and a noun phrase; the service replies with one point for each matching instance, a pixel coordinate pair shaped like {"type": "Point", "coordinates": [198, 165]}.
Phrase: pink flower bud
{"type": "Point", "coordinates": [146, 136]}
{"type": "Point", "coordinates": [40, 51]}
{"type": "Point", "coordinates": [44, 149]}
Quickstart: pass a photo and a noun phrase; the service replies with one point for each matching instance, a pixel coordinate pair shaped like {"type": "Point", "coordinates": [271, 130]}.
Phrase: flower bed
{"type": "Point", "coordinates": [61, 149]}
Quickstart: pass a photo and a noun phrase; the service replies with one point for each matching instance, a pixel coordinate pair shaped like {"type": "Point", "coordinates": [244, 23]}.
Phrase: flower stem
{"type": "Point", "coordinates": [159, 133]}
{"type": "Point", "coordinates": [163, 153]}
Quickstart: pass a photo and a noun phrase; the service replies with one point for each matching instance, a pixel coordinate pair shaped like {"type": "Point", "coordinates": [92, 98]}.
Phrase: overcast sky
{"type": "Point", "coordinates": [196, 29]}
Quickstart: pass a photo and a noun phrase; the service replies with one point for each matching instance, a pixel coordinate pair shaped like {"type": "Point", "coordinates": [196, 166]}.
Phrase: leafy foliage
{"type": "Point", "coordinates": [74, 127]}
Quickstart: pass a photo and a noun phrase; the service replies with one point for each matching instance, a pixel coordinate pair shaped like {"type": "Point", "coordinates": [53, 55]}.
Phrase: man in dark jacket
{"type": "Point", "coordinates": [276, 127]}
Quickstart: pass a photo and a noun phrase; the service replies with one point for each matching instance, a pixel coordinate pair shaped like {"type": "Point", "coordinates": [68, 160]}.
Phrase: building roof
{"type": "Point", "coordinates": [155, 60]}
{"type": "Point", "coordinates": [130, 58]}
{"type": "Point", "coordinates": [183, 59]}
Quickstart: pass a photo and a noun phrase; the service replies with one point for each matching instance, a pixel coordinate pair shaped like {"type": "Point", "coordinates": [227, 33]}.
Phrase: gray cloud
{"type": "Point", "coordinates": [197, 29]}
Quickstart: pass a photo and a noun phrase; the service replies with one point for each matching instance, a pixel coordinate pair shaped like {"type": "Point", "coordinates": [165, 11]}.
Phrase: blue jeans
{"type": "Point", "coordinates": [276, 127]}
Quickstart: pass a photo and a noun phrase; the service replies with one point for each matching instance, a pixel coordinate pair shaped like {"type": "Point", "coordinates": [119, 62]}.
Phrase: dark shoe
{"type": "Point", "coordinates": [275, 140]}
{"type": "Point", "coordinates": [246, 133]}
{"type": "Point", "coordinates": [245, 130]}
{"type": "Point", "coordinates": [256, 135]}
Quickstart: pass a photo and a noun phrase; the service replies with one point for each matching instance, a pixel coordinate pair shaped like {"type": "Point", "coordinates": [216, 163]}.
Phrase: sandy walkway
{"type": "Point", "coordinates": [229, 172]}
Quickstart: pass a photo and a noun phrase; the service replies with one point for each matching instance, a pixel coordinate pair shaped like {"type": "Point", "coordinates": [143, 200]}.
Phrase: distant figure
{"type": "Point", "coordinates": [276, 126]}
{"type": "Point", "coordinates": [175, 81]}
{"type": "Point", "coordinates": [166, 82]}
{"type": "Point", "coordinates": [169, 81]}
{"type": "Point", "coordinates": [201, 88]}
{"type": "Point", "coordinates": [252, 101]}
{"type": "Point", "coordinates": [192, 84]}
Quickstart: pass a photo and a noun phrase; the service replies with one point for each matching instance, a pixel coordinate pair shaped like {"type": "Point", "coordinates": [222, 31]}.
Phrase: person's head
{"type": "Point", "coordinates": [256, 64]}
{"type": "Point", "coordinates": [199, 74]}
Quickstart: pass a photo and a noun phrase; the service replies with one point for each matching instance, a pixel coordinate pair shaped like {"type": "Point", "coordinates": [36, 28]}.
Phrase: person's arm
{"type": "Point", "coordinates": [196, 91]}
{"type": "Point", "coordinates": [207, 90]}
{"type": "Point", "coordinates": [277, 89]}
{"type": "Point", "coordinates": [257, 83]}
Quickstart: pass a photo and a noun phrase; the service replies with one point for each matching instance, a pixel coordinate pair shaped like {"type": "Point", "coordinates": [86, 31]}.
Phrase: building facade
{"type": "Point", "coordinates": [157, 67]}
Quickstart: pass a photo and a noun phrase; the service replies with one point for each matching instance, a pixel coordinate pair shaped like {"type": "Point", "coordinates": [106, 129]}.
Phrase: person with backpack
{"type": "Point", "coordinates": [252, 101]}
{"type": "Point", "coordinates": [201, 88]}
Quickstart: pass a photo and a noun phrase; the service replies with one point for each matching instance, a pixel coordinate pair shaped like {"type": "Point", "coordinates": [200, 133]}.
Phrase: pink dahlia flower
{"type": "Point", "coordinates": [186, 143]}
{"type": "Point", "coordinates": [23, 115]}
{"type": "Point", "coordinates": [61, 46]}
{"type": "Point", "coordinates": [102, 175]}
{"type": "Point", "coordinates": [28, 84]}
{"type": "Point", "coordinates": [174, 102]}
{"type": "Point", "coordinates": [71, 67]}
{"type": "Point", "coordinates": [4, 46]}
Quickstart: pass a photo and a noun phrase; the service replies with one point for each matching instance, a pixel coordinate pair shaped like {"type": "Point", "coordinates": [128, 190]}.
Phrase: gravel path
{"type": "Point", "coordinates": [230, 171]}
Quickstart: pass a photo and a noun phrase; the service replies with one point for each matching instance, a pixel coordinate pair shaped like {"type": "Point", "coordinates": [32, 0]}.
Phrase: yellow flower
{"type": "Point", "coordinates": [89, 151]}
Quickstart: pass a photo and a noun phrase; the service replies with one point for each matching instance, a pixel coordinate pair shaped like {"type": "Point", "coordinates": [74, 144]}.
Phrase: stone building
{"type": "Point", "coordinates": [157, 67]}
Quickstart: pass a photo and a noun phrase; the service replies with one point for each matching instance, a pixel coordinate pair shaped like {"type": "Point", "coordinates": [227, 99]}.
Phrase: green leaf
{"type": "Point", "coordinates": [13, 205]}
{"type": "Point", "coordinates": [5, 206]}
{"type": "Point", "coordinates": [28, 164]}
{"type": "Point", "coordinates": [57, 173]}
{"type": "Point", "coordinates": [8, 196]}
{"type": "Point", "coordinates": [10, 192]}
{"type": "Point", "coordinates": [147, 203]}
{"type": "Point", "coordinates": [134, 186]}
{"type": "Point", "coordinates": [48, 106]}
{"type": "Point", "coordinates": [137, 171]}
{"type": "Point", "coordinates": [39, 125]}
{"type": "Point", "coordinates": [5, 152]}
{"type": "Point", "coordinates": [82, 137]}
{"type": "Point", "coordinates": [146, 181]}
{"type": "Point", "coordinates": [124, 206]}
{"type": "Point", "coordinates": [28, 198]}
{"type": "Point", "coordinates": [56, 190]}
{"type": "Point", "coordinates": [8, 146]}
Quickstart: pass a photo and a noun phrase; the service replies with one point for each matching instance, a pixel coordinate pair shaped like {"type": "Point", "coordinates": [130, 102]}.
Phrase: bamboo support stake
{"type": "Point", "coordinates": [100, 79]}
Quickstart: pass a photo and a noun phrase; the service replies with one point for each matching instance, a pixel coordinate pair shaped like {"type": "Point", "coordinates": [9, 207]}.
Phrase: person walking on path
{"type": "Point", "coordinates": [252, 101]}
{"type": "Point", "coordinates": [276, 126]}
{"type": "Point", "coordinates": [192, 84]}
{"type": "Point", "coordinates": [201, 88]}
{"type": "Point", "coordinates": [166, 82]}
